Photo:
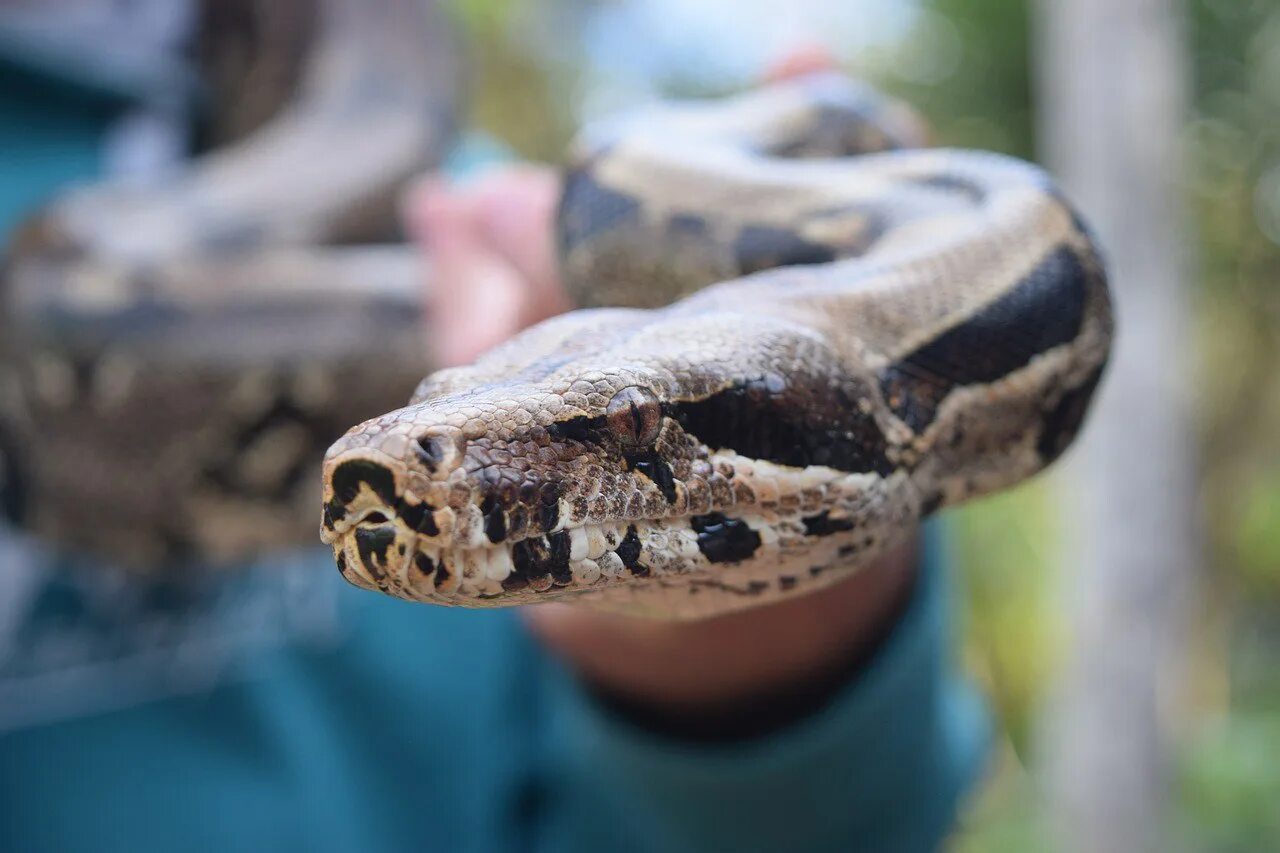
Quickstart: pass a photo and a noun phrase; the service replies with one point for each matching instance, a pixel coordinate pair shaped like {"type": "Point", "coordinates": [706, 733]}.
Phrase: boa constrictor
{"type": "Point", "coordinates": [177, 354]}
{"type": "Point", "coordinates": [895, 331]}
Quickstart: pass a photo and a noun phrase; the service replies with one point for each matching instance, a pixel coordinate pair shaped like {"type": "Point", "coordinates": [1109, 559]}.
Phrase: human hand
{"type": "Point", "coordinates": [491, 246]}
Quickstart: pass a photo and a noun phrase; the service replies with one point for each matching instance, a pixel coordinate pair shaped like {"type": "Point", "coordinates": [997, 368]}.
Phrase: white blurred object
{"type": "Point", "coordinates": [1113, 95]}
{"type": "Point", "coordinates": [375, 106]}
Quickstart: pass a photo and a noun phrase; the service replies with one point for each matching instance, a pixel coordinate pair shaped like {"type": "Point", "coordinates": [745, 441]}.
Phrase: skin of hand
{"type": "Point", "coordinates": [491, 245]}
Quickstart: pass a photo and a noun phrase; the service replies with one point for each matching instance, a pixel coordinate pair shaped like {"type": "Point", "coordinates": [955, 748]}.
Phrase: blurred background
{"type": "Point", "coordinates": [1173, 506]}
{"type": "Point", "coordinates": [978, 70]}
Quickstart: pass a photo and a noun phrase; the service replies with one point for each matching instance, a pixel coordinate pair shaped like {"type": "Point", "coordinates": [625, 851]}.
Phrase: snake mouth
{"type": "Point", "coordinates": [382, 553]}
{"type": "Point", "coordinates": [384, 539]}
{"type": "Point", "coordinates": [713, 550]}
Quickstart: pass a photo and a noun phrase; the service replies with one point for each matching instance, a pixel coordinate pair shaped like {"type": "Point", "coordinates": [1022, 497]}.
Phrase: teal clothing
{"type": "Point", "coordinates": [431, 729]}
{"type": "Point", "coordinates": [46, 141]}
{"type": "Point", "coordinates": [276, 708]}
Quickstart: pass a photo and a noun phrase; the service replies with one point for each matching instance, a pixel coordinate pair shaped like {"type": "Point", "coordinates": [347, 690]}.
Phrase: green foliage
{"type": "Point", "coordinates": [1229, 790]}
{"type": "Point", "coordinates": [1231, 785]}
{"type": "Point", "coordinates": [516, 90]}
{"type": "Point", "coordinates": [481, 18]}
{"type": "Point", "coordinates": [976, 86]}
{"type": "Point", "coordinates": [1008, 816]}
{"type": "Point", "coordinates": [1258, 535]}
{"type": "Point", "coordinates": [1006, 546]}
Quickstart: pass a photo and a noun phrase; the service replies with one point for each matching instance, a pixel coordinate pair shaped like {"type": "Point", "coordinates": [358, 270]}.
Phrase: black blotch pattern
{"type": "Point", "coordinates": [538, 557]}
{"type": "Point", "coordinates": [653, 466]}
{"type": "Point", "coordinates": [349, 475]}
{"type": "Point", "coordinates": [525, 568]}
{"type": "Point", "coordinates": [588, 430]}
{"type": "Point", "coordinates": [442, 573]}
{"type": "Point", "coordinates": [372, 545]}
{"type": "Point", "coordinates": [549, 516]}
{"type": "Point", "coordinates": [930, 504]}
{"type": "Point", "coordinates": [786, 582]}
{"type": "Point", "coordinates": [835, 131]}
{"type": "Point", "coordinates": [342, 563]}
{"type": "Point", "coordinates": [334, 511]}
{"type": "Point", "coordinates": [1042, 311]}
{"type": "Point", "coordinates": [225, 472]}
{"type": "Point", "coordinates": [956, 184]}
{"type": "Point", "coordinates": [688, 226]}
{"type": "Point", "coordinates": [795, 425]}
{"type": "Point", "coordinates": [517, 520]}
{"type": "Point", "coordinates": [760, 247]}
{"type": "Point", "coordinates": [724, 540]}
{"type": "Point", "coordinates": [419, 518]}
{"type": "Point", "coordinates": [549, 508]}
{"type": "Point", "coordinates": [423, 563]}
{"type": "Point", "coordinates": [1063, 421]}
{"type": "Point", "coordinates": [588, 209]}
{"type": "Point", "coordinates": [629, 552]}
{"type": "Point", "coordinates": [495, 520]}
{"type": "Point", "coordinates": [823, 524]}
{"type": "Point", "coordinates": [558, 557]}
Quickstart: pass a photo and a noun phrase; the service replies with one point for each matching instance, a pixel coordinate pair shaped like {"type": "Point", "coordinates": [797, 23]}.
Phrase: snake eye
{"type": "Point", "coordinates": [634, 416]}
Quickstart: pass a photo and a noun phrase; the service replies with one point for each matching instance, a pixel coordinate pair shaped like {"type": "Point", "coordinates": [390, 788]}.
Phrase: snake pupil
{"type": "Point", "coordinates": [634, 416]}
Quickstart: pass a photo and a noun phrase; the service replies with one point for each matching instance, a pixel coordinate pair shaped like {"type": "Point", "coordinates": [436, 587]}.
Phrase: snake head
{"type": "Point", "coordinates": [499, 495]}
{"type": "Point", "coordinates": [594, 474]}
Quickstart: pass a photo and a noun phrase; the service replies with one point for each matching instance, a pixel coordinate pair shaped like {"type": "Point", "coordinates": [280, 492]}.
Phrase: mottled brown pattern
{"type": "Point", "coordinates": [176, 357]}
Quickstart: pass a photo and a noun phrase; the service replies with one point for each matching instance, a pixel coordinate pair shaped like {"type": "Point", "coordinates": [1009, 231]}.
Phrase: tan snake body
{"type": "Point", "coordinates": [895, 331]}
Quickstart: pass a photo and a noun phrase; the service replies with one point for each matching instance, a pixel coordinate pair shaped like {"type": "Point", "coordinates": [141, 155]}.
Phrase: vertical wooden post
{"type": "Point", "coordinates": [1112, 103]}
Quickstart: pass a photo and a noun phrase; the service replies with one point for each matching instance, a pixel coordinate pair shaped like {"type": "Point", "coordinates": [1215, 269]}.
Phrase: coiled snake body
{"type": "Point", "coordinates": [896, 331]}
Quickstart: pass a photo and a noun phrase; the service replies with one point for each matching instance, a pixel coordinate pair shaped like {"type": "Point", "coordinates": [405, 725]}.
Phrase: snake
{"type": "Point", "coordinates": [178, 351]}
{"type": "Point", "coordinates": [802, 332]}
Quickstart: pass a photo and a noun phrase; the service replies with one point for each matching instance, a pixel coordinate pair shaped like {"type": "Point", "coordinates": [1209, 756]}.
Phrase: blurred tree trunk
{"type": "Point", "coordinates": [1112, 96]}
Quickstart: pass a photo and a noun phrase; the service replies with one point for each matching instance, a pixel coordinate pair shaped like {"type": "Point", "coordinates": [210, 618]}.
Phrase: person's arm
{"type": "Point", "coordinates": [739, 676]}
{"type": "Point", "coordinates": [878, 763]}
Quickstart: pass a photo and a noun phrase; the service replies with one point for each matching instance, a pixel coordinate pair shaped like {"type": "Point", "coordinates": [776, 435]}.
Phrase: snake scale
{"type": "Point", "coordinates": [801, 333]}
{"type": "Point", "coordinates": [826, 334]}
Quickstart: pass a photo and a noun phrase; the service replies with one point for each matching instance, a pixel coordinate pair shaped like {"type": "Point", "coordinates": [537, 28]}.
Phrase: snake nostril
{"type": "Point", "coordinates": [440, 449]}
{"type": "Point", "coordinates": [430, 451]}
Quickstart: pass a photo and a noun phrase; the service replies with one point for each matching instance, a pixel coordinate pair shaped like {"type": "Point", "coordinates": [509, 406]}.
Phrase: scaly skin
{"type": "Point", "coordinates": [934, 332]}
